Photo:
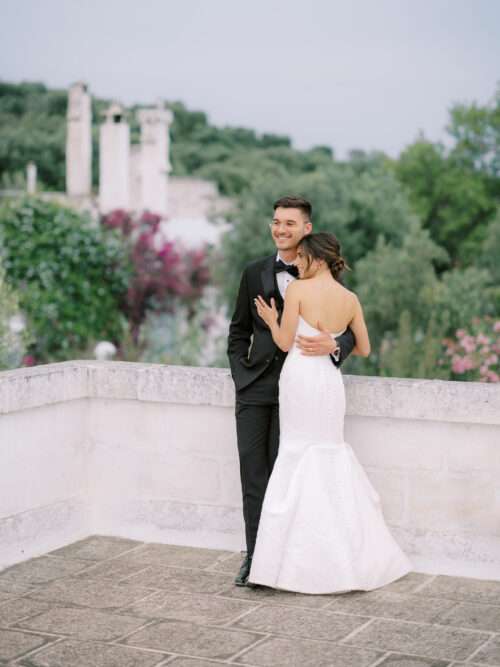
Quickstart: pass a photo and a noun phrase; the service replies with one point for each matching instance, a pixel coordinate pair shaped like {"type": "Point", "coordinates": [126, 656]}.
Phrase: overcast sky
{"type": "Point", "coordinates": [346, 73]}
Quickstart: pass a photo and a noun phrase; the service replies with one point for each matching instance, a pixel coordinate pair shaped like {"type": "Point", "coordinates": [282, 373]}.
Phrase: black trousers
{"type": "Point", "coordinates": [257, 428]}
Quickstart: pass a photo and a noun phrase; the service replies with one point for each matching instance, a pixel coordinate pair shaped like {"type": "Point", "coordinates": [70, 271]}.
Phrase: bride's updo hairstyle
{"type": "Point", "coordinates": [324, 246]}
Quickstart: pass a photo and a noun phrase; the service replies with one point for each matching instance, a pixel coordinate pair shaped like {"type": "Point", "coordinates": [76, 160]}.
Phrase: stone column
{"type": "Point", "coordinates": [114, 161]}
{"type": "Point", "coordinates": [31, 178]}
{"type": "Point", "coordinates": [154, 160]}
{"type": "Point", "coordinates": [79, 142]}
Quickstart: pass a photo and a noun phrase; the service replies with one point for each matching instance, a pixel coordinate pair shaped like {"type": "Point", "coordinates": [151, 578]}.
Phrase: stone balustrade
{"type": "Point", "coordinates": [149, 452]}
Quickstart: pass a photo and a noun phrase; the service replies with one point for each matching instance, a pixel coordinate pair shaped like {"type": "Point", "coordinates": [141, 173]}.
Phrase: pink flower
{"type": "Point", "coordinates": [458, 365]}
{"type": "Point", "coordinates": [482, 339]}
{"type": "Point", "coordinates": [460, 333]}
{"type": "Point", "coordinates": [496, 326]}
{"type": "Point", "coordinates": [468, 363]}
{"type": "Point", "coordinates": [493, 377]}
{"type": "Point", "coordinates": [468, 343]}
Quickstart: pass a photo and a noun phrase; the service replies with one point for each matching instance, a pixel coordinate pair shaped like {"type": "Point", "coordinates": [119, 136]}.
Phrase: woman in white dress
{"type": "Point", "coordinates": [321, 529]}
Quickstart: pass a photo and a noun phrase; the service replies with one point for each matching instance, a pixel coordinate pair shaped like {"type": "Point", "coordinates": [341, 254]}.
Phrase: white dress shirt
{"type": "Point", "coordinates": [283, 278]}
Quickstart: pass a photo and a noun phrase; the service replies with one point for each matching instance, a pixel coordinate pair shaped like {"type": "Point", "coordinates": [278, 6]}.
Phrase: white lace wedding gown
{"type": "Point", "coordinates": [321, 529]}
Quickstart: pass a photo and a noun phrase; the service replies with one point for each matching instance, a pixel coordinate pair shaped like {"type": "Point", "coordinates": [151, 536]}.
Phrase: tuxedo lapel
{"type": "Point", "coordinates": [269, 283]}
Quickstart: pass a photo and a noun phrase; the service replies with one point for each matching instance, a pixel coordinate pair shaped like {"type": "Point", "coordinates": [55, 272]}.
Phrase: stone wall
{"type": "Point", "coordinates": [149, 452]}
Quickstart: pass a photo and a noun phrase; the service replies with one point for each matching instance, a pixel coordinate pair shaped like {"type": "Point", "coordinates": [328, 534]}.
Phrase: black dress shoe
{"type": "Point", "coordinates": [242, 576]}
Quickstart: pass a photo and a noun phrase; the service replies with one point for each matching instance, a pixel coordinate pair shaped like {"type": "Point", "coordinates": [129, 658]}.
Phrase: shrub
{"type": "Point", "coordinates": [71, 276]}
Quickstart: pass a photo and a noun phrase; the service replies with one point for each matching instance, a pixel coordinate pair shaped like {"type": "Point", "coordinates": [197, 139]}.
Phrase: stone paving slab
{"type": "Point", "coordinates": [20, 608]}
{"type": "Point", "coordinates": [181, 580]}
{"type": "Point", "coordinates": [185, 637]}
{"type": "Point", "coordinates": [41, 570]}
{"type": "Point", "coordinates": [411, 661]}
{"type": "Point", "coordinates": [113, 602]}
{"type": "Point", "coordinates": [280, 651]}
{"type": "Point", "coordinates": [269, 594]}
{"type": "Point", "coordinates": [72, 653]}
{"type": "Point", "coordinates": [463, 589]}
{"type": "Point", "coordinates": [402, 606]}
{"type": "Point", "coordinates": [14, 643]}
{"type": "Point", "coordinates": [175, 556]}
{"type": "Point", "coordinates": [97, 548]}
{"type": "Point", "coordinates": [113, 570]}
{"type": "Point", "coordinates": [304, 623]}
{"type": "Point", "coordinates": [96, 594]}
{"type": "Point", "coordinates": [82, 623]}
{"type": "Point", "coordinates": [195, 608]}
{"type": "Point", "coordinates": [430, 641]}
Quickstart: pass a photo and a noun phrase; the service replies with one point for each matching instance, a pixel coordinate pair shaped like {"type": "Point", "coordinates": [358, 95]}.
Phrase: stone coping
{"type": "Point", "coordinates": [367, 396]}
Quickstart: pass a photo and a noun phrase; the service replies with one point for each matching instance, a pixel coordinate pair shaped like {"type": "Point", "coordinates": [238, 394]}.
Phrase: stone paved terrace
{"type": "Point", "coordinates": [115, 602]}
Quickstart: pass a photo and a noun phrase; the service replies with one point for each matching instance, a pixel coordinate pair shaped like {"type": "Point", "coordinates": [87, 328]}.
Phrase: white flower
{"type": "Point", "coordinates": [104, 350]}
{"type": "Point", "coordinates": [17, 324]}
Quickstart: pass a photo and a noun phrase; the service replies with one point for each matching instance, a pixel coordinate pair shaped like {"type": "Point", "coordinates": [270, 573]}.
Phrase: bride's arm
{"type": "Point", "coordinates": [358, 326]}
{"type": "Point", "coordinates": [284, 333]}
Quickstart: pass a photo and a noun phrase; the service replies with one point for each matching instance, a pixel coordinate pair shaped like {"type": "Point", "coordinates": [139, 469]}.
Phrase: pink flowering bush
{"type": "Point", "coordinates": [163, 273]}
{"type": "Point", "coordinates": [474, 353]}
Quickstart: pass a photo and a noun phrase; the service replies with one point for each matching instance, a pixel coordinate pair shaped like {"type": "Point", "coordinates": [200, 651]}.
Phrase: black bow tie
{"type": "Point", "coordinates": [281, 266]}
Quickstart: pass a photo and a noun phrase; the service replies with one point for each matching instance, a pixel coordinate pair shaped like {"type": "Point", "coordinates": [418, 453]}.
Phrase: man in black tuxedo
{"type": "Point", "coordinates": [256, 361]}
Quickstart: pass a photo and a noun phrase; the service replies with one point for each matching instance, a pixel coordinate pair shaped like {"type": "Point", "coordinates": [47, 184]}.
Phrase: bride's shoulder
{"type": "Point", "coordinates": [344, 291]}
{"type": "Point", "coordinates": [349, 296]}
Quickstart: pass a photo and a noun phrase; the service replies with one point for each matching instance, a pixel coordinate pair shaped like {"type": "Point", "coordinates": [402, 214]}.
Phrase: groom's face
{"type": "Point", "coordinates": [288, 227]}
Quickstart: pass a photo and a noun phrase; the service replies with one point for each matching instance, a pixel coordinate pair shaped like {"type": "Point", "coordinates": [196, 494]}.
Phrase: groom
{"type": "Point", "coordinates": [256, 361]}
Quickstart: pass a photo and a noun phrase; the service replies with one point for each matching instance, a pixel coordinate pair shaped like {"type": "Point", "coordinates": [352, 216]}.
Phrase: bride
{"type": "Point", "coordinates": [321, 529]}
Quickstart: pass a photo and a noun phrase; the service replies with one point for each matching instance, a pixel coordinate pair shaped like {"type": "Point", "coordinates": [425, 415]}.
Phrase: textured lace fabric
{"type": "Point", "coordinates": [322, 528]}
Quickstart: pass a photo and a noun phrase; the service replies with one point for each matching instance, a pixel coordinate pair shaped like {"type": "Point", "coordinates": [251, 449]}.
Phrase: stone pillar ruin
{"type": "Point", "coordinates": [154, 164]}
{"type": "Point", "coordinates": [79, 142]}
{"type": "Point", "coordinates": [114, 161]}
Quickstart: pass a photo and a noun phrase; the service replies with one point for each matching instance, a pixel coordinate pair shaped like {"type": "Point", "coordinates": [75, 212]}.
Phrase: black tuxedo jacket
{"type": "Point", "coordinates": [250, 345]}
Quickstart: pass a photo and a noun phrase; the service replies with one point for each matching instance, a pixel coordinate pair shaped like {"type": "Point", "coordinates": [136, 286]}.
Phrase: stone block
{"type": "Point", "coordinates": [279, 651]}
{"type": "Point", "coordinates": [304, 623]}
{"type": "Point", "coordinates": [14, 643]}
{"type": "Point", "coordinates": [453, 502]}
{"type": "Point", "coordinates": [112, 379]}
{"type": "Point", "coordinates": [89, 624]}
{"type": "Point", "coordinates": [42, 570]}
{"type": "Point", "coordinates": [174, 555]}
{"type": "Point", "coordinates": [179, 580]}
{"type": "Point", "coordinates": [402, 606]}
{"type": "Point", "coordinates": [489, 654]}
{"type": "Point", "coordinates": [96, 548]}
{"type": "Point", "coordinates": [74, 653]}
{"type": "Point", "coordinates": [200, 609]}
{"type": "Point", "coordinates": [429, 641]}
{"type": "Point", "coordinates": [17, 609]}
{"type": "Point", "coordinates": [95, 594]}
{"type": "Point", "coordinates": [397, 445]}
{"type": "Point", "coordinates": [473, 616]}
{"type": "Point", "coordinates": [462, 589]}
{"type": "Point", "coordinates": [192, 639]}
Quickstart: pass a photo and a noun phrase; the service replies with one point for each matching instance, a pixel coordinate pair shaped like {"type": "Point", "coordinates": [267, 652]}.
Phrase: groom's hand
{"type": "Point", "coordinates": [317, 346]}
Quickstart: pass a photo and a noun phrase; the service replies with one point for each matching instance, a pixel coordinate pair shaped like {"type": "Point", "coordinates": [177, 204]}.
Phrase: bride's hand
{"type": "Point", "coordinates": [268, 313]}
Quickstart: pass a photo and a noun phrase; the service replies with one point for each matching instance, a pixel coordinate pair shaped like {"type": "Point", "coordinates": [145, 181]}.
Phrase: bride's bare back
{"type": "Point", "coordinates": [327, 303]}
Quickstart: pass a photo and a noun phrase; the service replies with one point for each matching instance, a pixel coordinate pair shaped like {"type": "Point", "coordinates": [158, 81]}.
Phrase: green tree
{"type": "Point", "coordinates": [453, 200]}
{"type": "Point", "coordinates": [476, 131]}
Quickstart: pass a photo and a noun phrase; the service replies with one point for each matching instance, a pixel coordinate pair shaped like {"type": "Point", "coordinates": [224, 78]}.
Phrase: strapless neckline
{"type": "Point", "coordinates": [332, 333]}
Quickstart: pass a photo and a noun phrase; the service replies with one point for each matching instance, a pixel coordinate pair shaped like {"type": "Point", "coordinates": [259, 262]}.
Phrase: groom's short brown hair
{"type": "Point", "coordinates": [292, 201]}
